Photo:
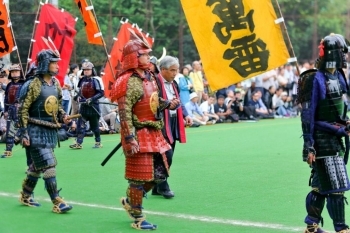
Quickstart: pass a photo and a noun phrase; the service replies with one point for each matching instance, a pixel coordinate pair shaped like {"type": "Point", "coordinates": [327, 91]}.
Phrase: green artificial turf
{"type": "Point", "coordinates": [240, 177]}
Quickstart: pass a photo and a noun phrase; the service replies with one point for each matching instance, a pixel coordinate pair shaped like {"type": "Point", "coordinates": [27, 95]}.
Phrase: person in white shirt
{"type": "Point", "coordinates": [207, 108]}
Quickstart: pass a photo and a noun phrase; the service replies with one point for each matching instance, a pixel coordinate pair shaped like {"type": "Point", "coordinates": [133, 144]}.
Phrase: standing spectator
{"type": "Point", "coordinates": [269, 78]}
{"type": "Point", "coordinates": [207, 108]}
{"type": "Point", "coordinates": [90, 91]}
{"type": "Point", "coordinates": [174, 128]}
{"type": "Point", "coordinates": [197, 80]}
{"type": "Point", "coordinates": [67, 87]}
{"type": "Point", "coordinates": [39, 139]}
{"type": "Point", "coordinates": [109, 114]}
{"type": "Point", "coordinates": [194, 111]}
{"type": "Point", "coordinates": [186, 86]}
{"type": "Point", "coordinates": [73, 76]}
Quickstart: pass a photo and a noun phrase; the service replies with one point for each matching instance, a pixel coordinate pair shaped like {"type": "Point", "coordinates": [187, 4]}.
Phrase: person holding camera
{"type": "Point", "coordinates": [244, 112]}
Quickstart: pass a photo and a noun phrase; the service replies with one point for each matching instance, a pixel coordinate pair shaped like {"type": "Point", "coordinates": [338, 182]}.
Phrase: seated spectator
{"type": "Point", "coordinates": [109, 114]}
{"type": "Point", "coordinates": [267, 98]}
{"type": "Point", "coordinates": [229, 98]}
{"type": "Point", "coordinates": [207, 108]}
{"type": "Point", "coordinates": [260, 108]}
{"type": "Point", "coordinates": [287, 105]}
{"type": "Point", "coordinates": [277, 101]}
{"type": "Point", "coordinates": [224, 113]}
{"type": "Point", "coordinates": [244, 112]}
{"type": "Point", "coordinates": [103, 126]}
{"type": "Point", "coordinates": [194, 111]}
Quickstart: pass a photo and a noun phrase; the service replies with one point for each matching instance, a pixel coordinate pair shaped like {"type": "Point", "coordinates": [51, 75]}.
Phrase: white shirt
{"type": "Point", "coordinates": [205, 107]}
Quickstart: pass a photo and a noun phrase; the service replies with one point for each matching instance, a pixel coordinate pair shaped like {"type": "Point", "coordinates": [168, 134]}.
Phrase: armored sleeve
{"type": "Point", "coordinates": [126, 103]}
{"type": "Point", "coordinates": [6, 98]}
{"type": "Point", "coordinates": [99, 90]}
{"type": "Point", "coordinates": [61, 113]}
{"type": "Point", "coordinates": [34, 89]}
{"type": "Point", "coordinates": [308, 113]}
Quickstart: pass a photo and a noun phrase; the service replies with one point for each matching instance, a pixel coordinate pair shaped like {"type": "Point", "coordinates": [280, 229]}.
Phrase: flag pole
{"type": "Point", "coordinates": [13, 37]}
{"type": "Point", "coordinates": [34, 28]}
{"type": "Point", "coordinates": [284, 27]}
{"type": "Point", "coordinates": [103, 41]}
{"type": "Point", "coordinates": [121, 23]}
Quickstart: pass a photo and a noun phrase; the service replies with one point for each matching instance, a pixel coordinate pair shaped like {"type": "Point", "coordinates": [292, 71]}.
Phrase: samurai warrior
{"type": "Point", "coordinates": [141, 123]}
{"type": "Point", "coordinates": [40, 116]}
{"type": "Point", "coordinates": [325, 126]}
{"type": "Point", "coordinates": [11, 106]}
{"type": "Point", "coordinates": [90, 91]}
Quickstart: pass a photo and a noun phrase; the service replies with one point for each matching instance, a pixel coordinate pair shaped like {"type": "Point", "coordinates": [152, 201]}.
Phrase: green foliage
{"type": "Point", "coordinates": [307, 21]}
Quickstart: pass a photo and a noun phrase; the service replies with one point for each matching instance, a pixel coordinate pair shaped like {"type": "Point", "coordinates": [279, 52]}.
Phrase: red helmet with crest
{"type": "Point", "coordinates": [132, 50]}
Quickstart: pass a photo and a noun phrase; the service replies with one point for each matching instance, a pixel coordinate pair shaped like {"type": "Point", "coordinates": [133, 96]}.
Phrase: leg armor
{"type": "Point", "coordinates": [60, 206]}
{"type": "Point", "coordinates": [10, 139]}
{"type": "Point", "coordinates": [80, 130]}
{"type": "Point", "coordinates": [336, 210]}
{"type": "Point", "coordinates": [133, 205]}
{"type": "Point", "coordinates": [9, 143]}
{"type": "Point", "coordinates": [43, 158]}
{"type": "Point", "coordinates": [28, 187]}
{"type": "Point", "coordinates": [314, 206]}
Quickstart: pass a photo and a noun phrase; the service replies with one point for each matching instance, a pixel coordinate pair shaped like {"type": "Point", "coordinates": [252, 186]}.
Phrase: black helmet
{"type": "Point", "coordinates": [43, 59]}
{"type": "Point", "coordinates": [332, 52]}
{"type": "Point", "coordinates": [31, 70]}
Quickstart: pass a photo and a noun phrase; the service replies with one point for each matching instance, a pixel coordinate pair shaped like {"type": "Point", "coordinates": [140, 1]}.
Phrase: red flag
{"type": "Point", "coordinates": [6, 39]}
{"type": "Point", "coordinates": [59, 26]}
{"type": "Point", "coordinates": [93, 33]}
{"type": "Point", "coordinates": [116, 54]}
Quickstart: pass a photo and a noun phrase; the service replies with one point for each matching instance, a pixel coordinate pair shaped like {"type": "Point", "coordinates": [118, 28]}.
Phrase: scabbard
{"type": "Point", "coordinates": [111, 154]}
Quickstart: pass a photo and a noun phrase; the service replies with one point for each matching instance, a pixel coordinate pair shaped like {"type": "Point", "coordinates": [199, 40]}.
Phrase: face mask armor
{"type": "Point", "coordinates": [332, 52]}
{"type": "Point", "coordinates": [15, 67]}
{"type": "Point", "coordinates": [44, 58]}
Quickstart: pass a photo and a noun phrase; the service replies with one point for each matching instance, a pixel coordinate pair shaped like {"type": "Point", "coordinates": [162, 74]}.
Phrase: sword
{"type": "Point", "coordinates": [111, 154]}
{"type": "Point", "coordinates": [108, 103]}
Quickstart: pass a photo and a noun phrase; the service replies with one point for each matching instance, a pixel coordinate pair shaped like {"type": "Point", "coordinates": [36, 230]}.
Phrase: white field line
{"type": "Point", "coordinates": [207, 219]}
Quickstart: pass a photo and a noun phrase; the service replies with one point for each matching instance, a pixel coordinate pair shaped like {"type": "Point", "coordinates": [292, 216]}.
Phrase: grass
{"type": "Point", "coordinates": [241, 177]}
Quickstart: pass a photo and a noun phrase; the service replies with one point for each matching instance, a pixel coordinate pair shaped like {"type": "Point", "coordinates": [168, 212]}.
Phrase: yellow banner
{"type": "Point", "coordinates": [236, 39]}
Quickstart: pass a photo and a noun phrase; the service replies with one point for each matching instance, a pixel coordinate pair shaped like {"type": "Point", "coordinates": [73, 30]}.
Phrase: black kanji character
{"type": "Point", "coordinates": [52, 30]}
{"type": "Point", "coordinates": [3, 38]}
{"type": "Point", "coordinates": [249, 55]}
{"type": "Point", "coordinates": [232, 16]}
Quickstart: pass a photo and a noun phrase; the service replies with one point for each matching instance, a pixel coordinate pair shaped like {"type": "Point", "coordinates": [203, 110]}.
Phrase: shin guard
{"type": "Point", "coordinates": [51, 187]}
{"type": "Point", "coordinates": [135, 195]}
{"type": "Point", "coordinates": [29, 184]}
{"type": "Point", "coordinates": [9, 143]}
{"type": "Point", "coordinates": [314, 206]}
{"type": "Point", "coordinates": [336, 210]}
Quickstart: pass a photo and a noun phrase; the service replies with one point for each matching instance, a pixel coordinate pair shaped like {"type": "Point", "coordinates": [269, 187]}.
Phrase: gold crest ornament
{"type": "Point", "coordinates": [154, 102]}
{"type": "Point", "coordinates": [51, 105]}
